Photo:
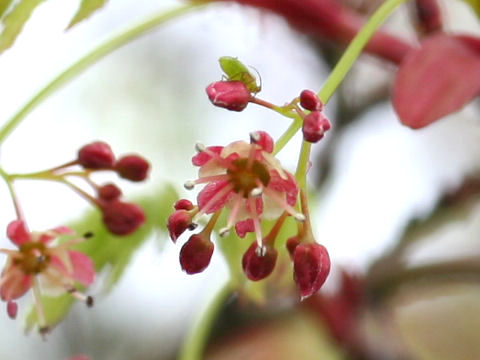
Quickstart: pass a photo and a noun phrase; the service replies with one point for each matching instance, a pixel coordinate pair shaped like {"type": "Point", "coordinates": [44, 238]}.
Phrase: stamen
{"type": "Point", "coordinates": [200, 147]}
{"type": "Point", "coordinates": [256, 222]}
{"type": "Point", "coordinates": [221, 193]}
{"type": "Point", "coordinates": [207, 179]}
{"type": "Point", "coordinates": [189, 184]}
{"type": "Point", "coordinates": [87, 299]}
{"type": "Point", "coordinates": [224, 231]}
{"type": "Point", "coordinates": [254, 137]}
{"type": "Point", "coordinates": [260, 251]}
{"type": "Point", "coordinates": [283, 204]}
{"type": "Point", "coordinates": [237, 201]}
{"type": "Point", "coordinates": [37, 299]}
{"type": "Point", "coordinates": [256, 192]}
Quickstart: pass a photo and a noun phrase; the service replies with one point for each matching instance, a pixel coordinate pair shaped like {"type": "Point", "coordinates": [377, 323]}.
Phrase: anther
{"type": "Point", "coordinates": [88, 235]}
{"type": "Point", "coordinates": [89, 301]}
{"type": "Point", "coordinates": [192, 226]}
{"type": "Point", "coordinates": [260, 251]}
{"type": "Point", "coordinates": [200, 147]}
{"type": "Point", "coordinates": [255, 136]}
{"type": "Point", "coordinates": [256, 192]}
{"type": "Point", "coordinates": [224, 231]}
{"type": "Point", "coordinates": [299, 217]}
{"type": "Point", "coordinates": [189, 184]}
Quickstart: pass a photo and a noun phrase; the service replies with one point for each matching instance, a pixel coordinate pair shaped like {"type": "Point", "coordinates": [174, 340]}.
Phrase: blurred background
{"type": "Point", "coordinates": [371, 177]}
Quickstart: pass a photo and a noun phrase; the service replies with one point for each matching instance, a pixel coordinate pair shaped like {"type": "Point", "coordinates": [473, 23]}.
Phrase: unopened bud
{"type": "Point", "coordinates": [310, 101]}
{"type": "Point", "coordinates": [109, 192]}
{"type": "Point", "coordinates": [258, 263]}
{"type": "Point", "coordinates": [132, 167]}
{"type": "Point", "coordinates": [311, 266]}
{"type": "Point", "coordinates": [196, 254]}
{"type": "Point", "coordinates": [97, 155]}
{"type": "Point", "coordinates": [231, 95]}
{"type": "Point", "coordinates": [122, 218]}
{"type": "Point", "coordinates": [314, 127]}
{"type": "Point", "coordinates": [178, 223]}
{"type": "Point", "coordinates": [183, 204]}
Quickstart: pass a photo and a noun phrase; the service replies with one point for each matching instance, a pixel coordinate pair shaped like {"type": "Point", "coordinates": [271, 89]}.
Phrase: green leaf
{"type": "Point", "coordinates": [87, 8]}
{"type": "Point", "coordinates": [14, 21]}
{"type": "Point", "coordinates": [110, 254]}
{"type": "Point", "coordinates": [475, 5]}
{"type": "Point", "coordinates": [4, 5]}
{"type": "Point", "coordinates": [237, 71]}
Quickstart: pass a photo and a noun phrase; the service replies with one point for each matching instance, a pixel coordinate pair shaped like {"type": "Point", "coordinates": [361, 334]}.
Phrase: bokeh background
{"type": "Point", "coordinates": [148, 97]}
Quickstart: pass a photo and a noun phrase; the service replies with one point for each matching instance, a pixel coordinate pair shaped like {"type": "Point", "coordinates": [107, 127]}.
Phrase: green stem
{"type": "Point", "coordinates": [89, 59]}
{"type": "Point", "coordinates": [342, 68]}
{"type": "Point", "coordinates": [355, 48]}
{"type": "Point", "coordinates": [9, 181]}
{"type": "Point", "coordinates": [196, 341]}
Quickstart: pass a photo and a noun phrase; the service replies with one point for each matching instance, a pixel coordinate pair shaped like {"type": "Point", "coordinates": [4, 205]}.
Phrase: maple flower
{"type": "Point", "coordinates": [37, 264]}
{"type": "Point", "coordinates": [246, 179]}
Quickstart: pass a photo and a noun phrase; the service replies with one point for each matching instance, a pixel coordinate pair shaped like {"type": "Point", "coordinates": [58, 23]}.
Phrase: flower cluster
{"type": "Point", "coordinates": [120, 217]}
{"type": "Point", "coordinates": [37, 264]}
{"type": "Point", "coordinates": [250, 183]}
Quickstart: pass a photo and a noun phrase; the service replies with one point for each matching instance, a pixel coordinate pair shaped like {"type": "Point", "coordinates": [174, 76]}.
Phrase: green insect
{"type": "Point", "coordinates": [236, 71]}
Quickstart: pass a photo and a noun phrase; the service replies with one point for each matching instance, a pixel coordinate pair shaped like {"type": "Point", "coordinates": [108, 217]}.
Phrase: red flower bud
{"type": "Point", "coordinates": [12, 309]}
{"type": "Point", "coordinates": [311, 265]}
{"type": "Point", "coordinates": [231, 95]}
{"type": "Point", "coordinates": [97, 155]}
{"type": "Point", "coordinates": [314, 126]}
{"type": "Point", "coordinates": [257, 265]}
{"type": "Point", "coordinates": [196, 254]}
{"type": "Point", "coordinates": [310, 101]}
{"type": "Point", "coordinates": [178, 222]}
{"type": "Point", "coordinates": [109, 192]}
{"type": "Point", "coordinates": [132, 167]}
{"type": "Point", "coordinates": [291, 244]}
{"type": "Point", "coordinates": [122, 218]}
{"type": "Point", "coordinates": [183, 204]}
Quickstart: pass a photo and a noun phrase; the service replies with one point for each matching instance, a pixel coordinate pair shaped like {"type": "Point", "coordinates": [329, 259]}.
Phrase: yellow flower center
{"type": "Point", "coordinates": [245, 177]}
{"type": "Point", "coordinates": [35, 257]}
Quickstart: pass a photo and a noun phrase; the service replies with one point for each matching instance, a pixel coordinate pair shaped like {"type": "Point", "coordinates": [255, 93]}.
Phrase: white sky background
{"type": "Point", "coordinates": [135, 98]}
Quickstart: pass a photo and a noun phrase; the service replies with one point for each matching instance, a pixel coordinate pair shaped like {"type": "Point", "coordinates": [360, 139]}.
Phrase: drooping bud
{"type": "Point", "coordinates": [97, 155]}
{"type": "Point", "coordinates": [132, 167]}
{"type": "Point", "coordinates": [12, 309]}
{"type": "Point", "coordinates": [314, 127]}
{"type": "Point", "coordinates": [109, 192]}
{"type": "Point", "coordinates": [196, 253]}
{"type": "Point", "coordinates": [183, 204]}
{"type": "Point", "coordinates": [311, 266]}
{"type": "Point", "coordinates": [291, 244]}
{"type": "Point", "coordinates": [310, 101]}
{"type": "Point", "coordinates": [122, 218]}
{"type": "Point", "coordinates": [231, 95]}
{"type": "Point", "coordinates": [263, 139]}
{"type": "Point", "coordinates": [178, 223]}
{"type": "Point", "coordinates": [259, 263]}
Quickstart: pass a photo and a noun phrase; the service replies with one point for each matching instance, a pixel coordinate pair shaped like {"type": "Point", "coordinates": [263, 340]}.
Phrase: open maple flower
{"type": "Point", "coordinates": [246, 180]}
{"type": "Point", "coordinates": [39, 265]}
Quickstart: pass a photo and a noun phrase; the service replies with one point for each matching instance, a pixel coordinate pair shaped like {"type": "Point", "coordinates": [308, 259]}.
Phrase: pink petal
{"type": "Point", "coordinates": [243, 227]}
{"type": "Point", "coordinates": [207, 194]}
{"type": "Point", "coordinates": [15, 284]}
{"type": "Point", "coordinates": [203, 157]}
{"type": "Point", "coordinates": [437, 79]}
{"type": "Point", "coordinates": [83, 269]}
{"type": "Point", "coordinates": [18, 233]}
{"type": "Point", "coordinates": [288, 186]}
